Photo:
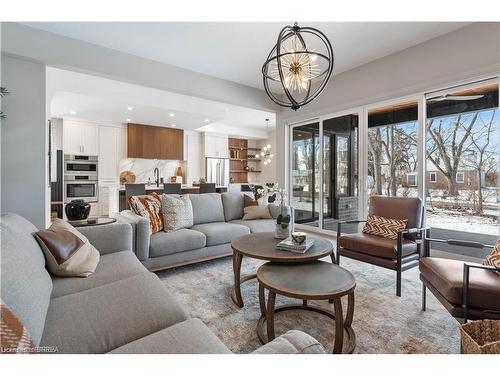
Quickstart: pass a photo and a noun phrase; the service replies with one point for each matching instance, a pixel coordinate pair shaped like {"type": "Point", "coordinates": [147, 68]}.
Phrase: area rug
{"type": "Point", "coordinates": [383, 323]}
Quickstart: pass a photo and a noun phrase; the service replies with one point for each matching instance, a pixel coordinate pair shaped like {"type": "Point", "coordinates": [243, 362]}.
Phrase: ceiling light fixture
{"type": "Point", "coordinates": [207, 120]}
{"type": "Point", "coordinates": [130, 108]}
{"type": "Point", "coordinates": [293, 74]}
{"type": "Point", "coordinates": [173, 125]}
{"type": "Point", "coordinates": [128, 120]}
{"type": "Point", "coordinates": [73, 112]}
{"type": "Point", "coordinates": [266, 150]}
{"type": "Point", "coordinates": [172, 114]}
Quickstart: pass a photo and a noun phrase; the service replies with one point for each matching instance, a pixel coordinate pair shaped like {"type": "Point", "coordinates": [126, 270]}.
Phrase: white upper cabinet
{"type": "Point", "coordinates": [110, 144]}
{"type": "Point", "coordinates": [80, 138]}
{"type": "Point", "coordinates": [216, 145]}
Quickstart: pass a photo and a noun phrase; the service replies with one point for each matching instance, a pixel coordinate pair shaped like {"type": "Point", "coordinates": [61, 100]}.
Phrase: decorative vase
{"type": "Point", "coordinates": [77, 209]}
{"type": "Point", "coordinates": [281, 232]}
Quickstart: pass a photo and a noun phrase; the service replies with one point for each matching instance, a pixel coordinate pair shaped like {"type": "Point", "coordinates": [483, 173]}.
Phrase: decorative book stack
{"type": "Point", "coordinates": [289, 245]}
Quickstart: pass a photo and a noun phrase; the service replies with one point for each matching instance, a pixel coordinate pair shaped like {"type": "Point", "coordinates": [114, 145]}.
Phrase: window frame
{"type": "Point", "coordinates": [463, 177]}
{"type": "Point", "coordinates": [431, 174]}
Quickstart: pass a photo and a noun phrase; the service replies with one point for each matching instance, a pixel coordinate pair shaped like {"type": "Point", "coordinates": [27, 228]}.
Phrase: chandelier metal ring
{"type": "Point", "coordinates": [296, 69]}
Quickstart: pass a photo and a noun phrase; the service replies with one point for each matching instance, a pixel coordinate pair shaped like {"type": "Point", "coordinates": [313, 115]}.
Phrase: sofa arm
{"type": "Point", "coordinates": [110, 238]}
{"type": "Point", "coordinates": [292, 342]}
{"type": "Point", "coordinates": [141, 232]}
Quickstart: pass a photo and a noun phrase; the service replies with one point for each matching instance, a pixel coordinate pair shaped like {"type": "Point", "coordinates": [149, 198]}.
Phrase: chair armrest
{"type": "Point", "coordinates": [141, 232]}
{"type": "Point", "coordinates": [292, 342]}
{"type": "Point", "coordinates": [339, 225]}
{"type": "Point", "coordinates": [110, 238]}
{"type": "Point", "coordinates": [465, 288]}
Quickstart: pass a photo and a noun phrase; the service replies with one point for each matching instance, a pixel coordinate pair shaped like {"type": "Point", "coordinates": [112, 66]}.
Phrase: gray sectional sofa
{"type": "Point", "coordinates": [121, 308]}
{"type": "Point", "coordinates": [217, 220]}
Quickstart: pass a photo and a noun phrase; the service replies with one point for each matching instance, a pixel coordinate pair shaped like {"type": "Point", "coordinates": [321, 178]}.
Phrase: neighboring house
{"type": "Point", "coordinates": [465, 180]}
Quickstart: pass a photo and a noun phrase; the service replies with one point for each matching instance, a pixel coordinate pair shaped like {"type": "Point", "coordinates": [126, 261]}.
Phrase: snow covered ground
{"type": "Point", "coordinates": [463, 221]}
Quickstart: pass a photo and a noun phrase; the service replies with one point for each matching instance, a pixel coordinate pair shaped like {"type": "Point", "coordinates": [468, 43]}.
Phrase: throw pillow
{"type": "Point", "coordinates": [493, 259]}
{"type": "Point", "coordinates": [384, 227]}
{"type": "Point", "coordinates": [177, 212]}
{"type": "Point", "coordinates": [14, 338]}
{"type": "Point", "coordinates": [256, 212]}
{"type": "Point", "coordinates": [148, 206]}
{"type": "Point", "coordinates": [67, 251]}
{"type": "Point", "coordinates": [249, 201]}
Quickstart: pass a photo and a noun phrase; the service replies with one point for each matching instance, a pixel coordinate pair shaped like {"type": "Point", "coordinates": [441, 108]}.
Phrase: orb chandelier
{"type": "Point", "coordinates": [298, 67]}
{"type": "Point", "coordinates": [266, 150]}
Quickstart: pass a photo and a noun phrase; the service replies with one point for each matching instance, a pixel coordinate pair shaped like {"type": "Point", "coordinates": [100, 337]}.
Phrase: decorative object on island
{"type": "Point", "coordinates": [3, 92]}
{"type": "Point", "coordinates": [266, 150]}
{"type": "Point", "coordinates": [77, 209]}
{"type": "Point", "coordinates": [293, 74]}
{"type": "Point", "coordinates": [127, 177]}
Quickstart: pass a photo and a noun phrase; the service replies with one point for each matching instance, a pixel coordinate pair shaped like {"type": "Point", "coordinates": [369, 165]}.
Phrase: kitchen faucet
{"type": "Point", "coordinates": [157, 176]}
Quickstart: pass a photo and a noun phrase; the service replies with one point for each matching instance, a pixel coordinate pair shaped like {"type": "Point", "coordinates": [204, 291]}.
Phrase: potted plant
{"type": "Point", "coordinates": [283, 221]}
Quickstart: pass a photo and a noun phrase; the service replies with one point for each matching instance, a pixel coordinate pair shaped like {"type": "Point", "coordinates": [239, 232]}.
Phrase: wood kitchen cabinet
{"type": "Point", "coordinates": [153, 142]}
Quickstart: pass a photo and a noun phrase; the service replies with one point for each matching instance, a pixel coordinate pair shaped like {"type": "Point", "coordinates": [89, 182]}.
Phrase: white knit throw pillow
{"type": "Point", "coordinates": [177, 212]}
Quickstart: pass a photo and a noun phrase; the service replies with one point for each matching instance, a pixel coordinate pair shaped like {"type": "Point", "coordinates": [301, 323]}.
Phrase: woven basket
{"type": "Point", "coordinates": [481, 337]}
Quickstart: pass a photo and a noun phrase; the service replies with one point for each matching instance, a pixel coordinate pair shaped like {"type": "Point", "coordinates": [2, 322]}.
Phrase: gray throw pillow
{"type": "Point", "coordinates": [177, 212]}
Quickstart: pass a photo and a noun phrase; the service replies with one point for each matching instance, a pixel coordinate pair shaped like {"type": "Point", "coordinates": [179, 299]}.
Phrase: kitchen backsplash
{"type": "Point", "coordinates": [144, 168]}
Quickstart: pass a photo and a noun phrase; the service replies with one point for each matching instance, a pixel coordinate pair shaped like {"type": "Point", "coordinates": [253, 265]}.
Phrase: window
{"type": "Point", "coordinates": [460, 177]}
{"type": "Point", "coordinates": [432, 176]}
{"type": "Point", "coordinates": [411, 179]}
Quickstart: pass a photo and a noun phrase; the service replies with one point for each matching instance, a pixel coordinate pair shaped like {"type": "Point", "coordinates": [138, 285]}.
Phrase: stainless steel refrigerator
{"type": "Point", "coordinates": [217, 171]}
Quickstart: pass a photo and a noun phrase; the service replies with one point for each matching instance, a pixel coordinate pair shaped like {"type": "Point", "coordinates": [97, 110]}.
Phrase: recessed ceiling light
{"type": "Point", "coordinates": [128, 120]}
{"type": "Point", "coordinates": [173, 125]}
{"type": "Point", "coordinates": [73, 112]}
{"type": "Point", "coordinates": [130, 108]}
{"type": "Point", "coordinates": [207, 120]}
{"type": "Point", "coordinates": [172, 114]}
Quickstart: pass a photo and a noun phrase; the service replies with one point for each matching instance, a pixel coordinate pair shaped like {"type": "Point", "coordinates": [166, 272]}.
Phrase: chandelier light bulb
{"type": "Point", "coordinates": [257, 156]}
{"type": "Point", "coordinates": [272, 155]}
{"type": "Point", "coordinates": [268, 146]}
{"type": "Point", "coordinates": [265, 162]}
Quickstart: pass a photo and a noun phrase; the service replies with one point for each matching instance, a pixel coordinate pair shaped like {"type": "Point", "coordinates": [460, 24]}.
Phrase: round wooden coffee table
{"type": "Point", "coordinates": [308, 281]}
{"type": "Point", "coordinates": [263, 246]}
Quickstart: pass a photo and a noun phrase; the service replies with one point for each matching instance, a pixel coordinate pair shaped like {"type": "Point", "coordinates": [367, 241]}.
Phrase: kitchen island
{"type": "Point", "coordinates": [185, 189]}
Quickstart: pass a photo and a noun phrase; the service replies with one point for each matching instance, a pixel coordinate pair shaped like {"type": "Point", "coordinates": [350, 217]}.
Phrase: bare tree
{"type": "Point", "coordinates": [484, 155]}
{"type": "Point", "coordinates": [448, 146]}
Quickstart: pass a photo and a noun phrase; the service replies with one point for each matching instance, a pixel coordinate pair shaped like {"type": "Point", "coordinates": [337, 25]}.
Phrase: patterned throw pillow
{"type": "Point", "coordinates": [14, 338]}
{"type": "Point", "coordinates": [177, 212]}
{"type": "Point", "coordinates": [493, 259]}
{"type": "Point", "coordinates": [148, 206]}
{"type": "Point", "coordinates": [67, 252]}
{"type": "Point", "coordinates": [383, 227]}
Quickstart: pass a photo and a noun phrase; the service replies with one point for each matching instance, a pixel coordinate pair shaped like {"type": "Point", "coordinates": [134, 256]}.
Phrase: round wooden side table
{"type": "Point", "coordinates": [263, 246]}
{"type": "Point", "coordinates": [308, 281]}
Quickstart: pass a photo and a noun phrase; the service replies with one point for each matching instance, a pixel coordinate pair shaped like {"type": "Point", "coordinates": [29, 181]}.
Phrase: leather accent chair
{"type": "Point", "coordinates": [398, 255]}
{"type": "Point", "coordinates": [466, 290]}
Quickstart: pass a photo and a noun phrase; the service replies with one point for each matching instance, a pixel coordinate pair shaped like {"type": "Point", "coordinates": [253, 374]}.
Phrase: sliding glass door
{"type": "Point", "coordinates": [305, 173]}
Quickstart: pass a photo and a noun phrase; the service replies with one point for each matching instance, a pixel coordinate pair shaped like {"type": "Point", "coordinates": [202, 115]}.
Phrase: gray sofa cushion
{"type": "Point", "coordinates": [207, 208]}
{"type": "Point", "coordinates": [292, 342]}
{"type": "Point", "coordinates": [259, 225]}
{"type": "Point", "coordinates": [101, 319]}
{"type": "Point", "coordinates": [165, 243]}
{"type": "Point", "coordinates": [111, 267]}
{"type": "Point", "coordinates": [25, 283]}
{"type": "Point", "coordinates": [220, 233]}
{"type": "Point", "coordinates": [188, 337]}
{"type": "Point", "coordinates": [233, 205]}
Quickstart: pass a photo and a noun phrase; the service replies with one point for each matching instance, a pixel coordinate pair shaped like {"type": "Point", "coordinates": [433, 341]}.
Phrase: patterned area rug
{"type": "Point", "coordinates": [383, 323]}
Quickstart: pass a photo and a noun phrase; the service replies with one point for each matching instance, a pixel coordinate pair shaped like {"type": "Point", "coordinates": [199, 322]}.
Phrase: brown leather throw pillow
{"type": "Point", "coordinates": [249, 201]}
{"type": "Point", "coordinates": [67, 251]}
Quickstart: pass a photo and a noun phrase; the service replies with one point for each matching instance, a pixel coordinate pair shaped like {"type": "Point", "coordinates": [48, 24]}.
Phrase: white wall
{"type": "Point", "coordinates": [465, 54]}
{"type": "Point", "coordinates": [24, 136]}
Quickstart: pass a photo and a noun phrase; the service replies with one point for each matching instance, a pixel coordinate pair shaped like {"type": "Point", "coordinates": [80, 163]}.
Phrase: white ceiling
{"type": "Point", "coordinates": [236, 51]}
{"type": "Point", "coordinates": [104, 100]}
